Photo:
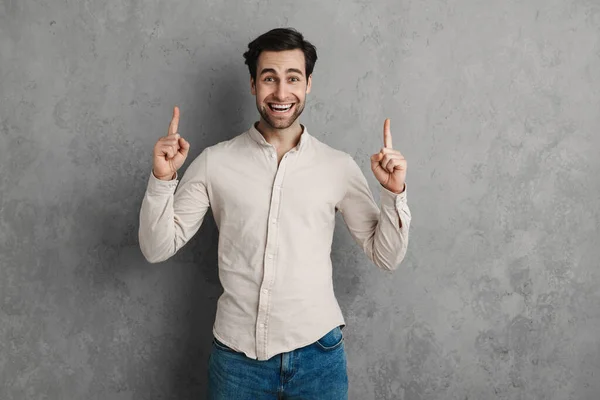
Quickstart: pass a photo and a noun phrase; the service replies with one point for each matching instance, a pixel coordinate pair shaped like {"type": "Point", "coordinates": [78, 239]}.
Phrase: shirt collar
{"type": "Point", "coordinates": [260, 139]}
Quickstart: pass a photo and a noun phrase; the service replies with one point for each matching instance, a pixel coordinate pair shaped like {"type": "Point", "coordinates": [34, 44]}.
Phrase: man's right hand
{"type": "Point", "coordinates": [170, 151]}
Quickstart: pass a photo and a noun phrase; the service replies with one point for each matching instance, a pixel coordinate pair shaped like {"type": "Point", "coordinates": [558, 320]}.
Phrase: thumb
{"type": "Point", "coordinates": [375, 158]}
{"type": "Point", "coordinates": [184, 147]}
{"type": "Point", "coordinates": [181, 155]}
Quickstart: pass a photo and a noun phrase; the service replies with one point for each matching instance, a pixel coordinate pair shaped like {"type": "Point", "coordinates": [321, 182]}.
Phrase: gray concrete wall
{"type": "Point", "coordinates": [494, 104]}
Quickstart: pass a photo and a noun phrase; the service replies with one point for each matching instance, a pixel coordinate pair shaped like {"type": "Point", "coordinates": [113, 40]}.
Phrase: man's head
{"type": "Point", "coordinates": [280, 64]}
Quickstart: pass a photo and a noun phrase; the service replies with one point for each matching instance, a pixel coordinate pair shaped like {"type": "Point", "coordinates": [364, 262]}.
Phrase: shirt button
{"type": "Point", "coordinates": [272, 155]}
{"type": "Point", "coordinates": [265, 291]}
{"type": "Point", "coordinates": [270, 255]}
{"type": "Point", "coordinates": [262, 325]}
{"type": "Point", "coordinates": [274, 220]}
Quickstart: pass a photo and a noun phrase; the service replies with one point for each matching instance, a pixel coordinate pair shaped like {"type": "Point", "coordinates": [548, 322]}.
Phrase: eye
{"type": "Point", "coordinates": [269, 79]}
{"type": "Point", "coordinates": [295, 79]}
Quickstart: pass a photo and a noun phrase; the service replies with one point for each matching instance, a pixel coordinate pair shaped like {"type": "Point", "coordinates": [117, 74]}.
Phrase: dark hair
{"type": "Point", "coordinates": [280, 39]}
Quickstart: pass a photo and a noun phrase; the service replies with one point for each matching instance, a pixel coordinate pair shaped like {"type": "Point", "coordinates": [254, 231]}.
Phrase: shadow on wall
{"type": "Point", "coordinates": [167, 309]}
{"type": "Point", "coordinates": [217, 116]}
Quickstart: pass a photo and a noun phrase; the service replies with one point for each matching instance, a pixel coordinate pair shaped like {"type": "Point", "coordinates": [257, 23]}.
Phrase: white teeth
{"type": "Point", "coordinates": [281, 107]}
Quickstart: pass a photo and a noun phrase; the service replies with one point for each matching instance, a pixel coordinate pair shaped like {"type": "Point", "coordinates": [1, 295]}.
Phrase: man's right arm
{"type": "Point", "coordinates": [171, 215]}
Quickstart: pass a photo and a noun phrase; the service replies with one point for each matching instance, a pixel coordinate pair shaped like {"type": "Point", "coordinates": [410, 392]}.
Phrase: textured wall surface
{"type": "Point", "coordinates": [495, 104]}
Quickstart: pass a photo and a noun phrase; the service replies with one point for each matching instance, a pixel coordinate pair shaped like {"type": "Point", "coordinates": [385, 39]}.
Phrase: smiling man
{"type": "Point", "coordinates": [274, 191]}
{"type": "Point", "coordinates": [281, 105]}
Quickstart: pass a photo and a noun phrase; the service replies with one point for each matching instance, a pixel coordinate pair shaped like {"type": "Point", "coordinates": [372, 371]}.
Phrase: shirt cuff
{"type": "Point", "coordinates": [158, 186]}
{"type": "Point", "coordinates": [391, 199]}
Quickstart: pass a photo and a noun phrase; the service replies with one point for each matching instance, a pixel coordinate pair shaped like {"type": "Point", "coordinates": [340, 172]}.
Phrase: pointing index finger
{"type": "Point", "coordinates": [174, 122]}
{"type": "Point", "coordinates": [387, 134]}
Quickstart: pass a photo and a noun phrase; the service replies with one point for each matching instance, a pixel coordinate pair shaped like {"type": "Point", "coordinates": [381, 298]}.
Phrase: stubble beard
{"type": "Point", "coordinates": [279, 123]}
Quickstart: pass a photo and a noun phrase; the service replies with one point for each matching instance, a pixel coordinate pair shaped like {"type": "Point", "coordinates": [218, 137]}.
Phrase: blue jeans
{"type": "Point", "coordinates": [316, 371]}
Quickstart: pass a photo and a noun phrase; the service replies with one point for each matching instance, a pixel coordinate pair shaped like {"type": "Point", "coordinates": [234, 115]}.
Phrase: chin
{"type": "Point", "coordinates": [279, 123]}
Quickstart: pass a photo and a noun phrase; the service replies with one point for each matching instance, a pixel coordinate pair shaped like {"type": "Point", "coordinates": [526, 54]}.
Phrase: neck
{"type": "Point", "coordinates": [283, 139]}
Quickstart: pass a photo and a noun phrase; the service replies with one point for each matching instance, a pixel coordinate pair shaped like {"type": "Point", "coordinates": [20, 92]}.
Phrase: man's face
{"type": "Point", "coordinates": [281, 87]}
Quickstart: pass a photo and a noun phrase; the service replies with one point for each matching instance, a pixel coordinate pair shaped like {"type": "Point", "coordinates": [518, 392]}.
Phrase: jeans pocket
{"type": "Point", "coordinates": [222, 346]}
{"type": "Point", "coordinates": [332, 339]}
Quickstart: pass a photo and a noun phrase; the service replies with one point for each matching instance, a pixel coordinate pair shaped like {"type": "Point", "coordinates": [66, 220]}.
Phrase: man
{"type": "Point", "coordinates": [274, 191]}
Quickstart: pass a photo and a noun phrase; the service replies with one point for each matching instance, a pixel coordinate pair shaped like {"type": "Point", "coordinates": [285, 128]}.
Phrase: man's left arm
{"type": "Point", "coordinates": [382, 232]}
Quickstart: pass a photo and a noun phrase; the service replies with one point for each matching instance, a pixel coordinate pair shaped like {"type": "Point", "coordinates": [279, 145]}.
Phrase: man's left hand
{"type": "Point", "coordinates": [389, 165]}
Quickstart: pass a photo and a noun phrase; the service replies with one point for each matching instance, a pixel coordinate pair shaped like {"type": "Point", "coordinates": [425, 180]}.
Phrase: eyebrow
{"type": "Point", "coordinates": [271, 70]}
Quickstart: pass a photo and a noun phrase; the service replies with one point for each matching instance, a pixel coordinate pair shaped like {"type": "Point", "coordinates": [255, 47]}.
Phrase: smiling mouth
{"type": "Point", "coordinates": [281, 108]}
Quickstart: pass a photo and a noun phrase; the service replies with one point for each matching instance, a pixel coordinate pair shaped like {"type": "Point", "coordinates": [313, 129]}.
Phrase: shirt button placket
{"type": "Point", "coordinates": [269, 265]}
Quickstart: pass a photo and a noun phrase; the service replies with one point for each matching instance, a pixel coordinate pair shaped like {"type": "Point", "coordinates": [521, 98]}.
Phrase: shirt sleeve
{"type": "Point", "coordinates": [382, 232]}
{"type": "Point", "coordinates": [171, 215]}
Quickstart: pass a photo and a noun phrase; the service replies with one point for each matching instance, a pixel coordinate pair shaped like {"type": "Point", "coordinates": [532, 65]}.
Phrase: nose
{"type": "Point", "coordinates": [281, 91]}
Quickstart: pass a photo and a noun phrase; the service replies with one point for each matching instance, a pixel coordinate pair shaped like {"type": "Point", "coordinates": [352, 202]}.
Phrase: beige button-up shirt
{"type": "Point", "coordinates": [276, 226]}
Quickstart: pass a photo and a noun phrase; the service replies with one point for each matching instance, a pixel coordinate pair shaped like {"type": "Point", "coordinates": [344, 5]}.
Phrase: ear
{"type": "Point", "coordinates": [308, 84]}
{"type": "Point", "coordinates": [252, 86]}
